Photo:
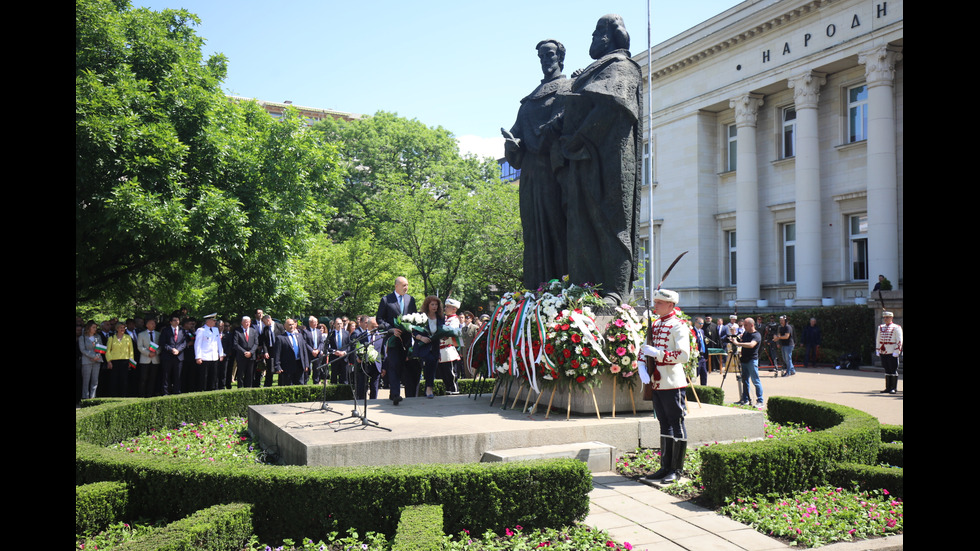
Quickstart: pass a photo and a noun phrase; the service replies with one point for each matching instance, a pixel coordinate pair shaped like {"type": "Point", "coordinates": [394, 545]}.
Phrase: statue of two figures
{"type": "Point", "coordinates": [577, 142]}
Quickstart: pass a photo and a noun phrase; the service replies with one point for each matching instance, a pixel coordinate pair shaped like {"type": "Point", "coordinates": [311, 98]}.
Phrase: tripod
{"type": "Point", "coordinates": [323, 397]}
{"type": "Point", "coordinates": [361, 346]}
{"type": "Point", "coordinates": [734, 364]}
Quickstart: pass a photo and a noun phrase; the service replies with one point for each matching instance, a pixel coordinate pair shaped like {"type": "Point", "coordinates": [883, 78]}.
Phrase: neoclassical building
{"type": "Point", "coordinates": [777, 140]}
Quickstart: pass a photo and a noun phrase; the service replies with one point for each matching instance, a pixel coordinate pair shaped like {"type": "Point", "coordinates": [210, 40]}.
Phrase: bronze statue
{"type": "Point", "coordinates": [532, 146]}
{"type": "Point", "coordinates": [601, 142]}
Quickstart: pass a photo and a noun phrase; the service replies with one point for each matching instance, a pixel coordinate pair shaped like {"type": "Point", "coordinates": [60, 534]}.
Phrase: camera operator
{"type": "Point", "coordinates": [749, 342]}
{"type": "Point", "coordinates": [784, 338]}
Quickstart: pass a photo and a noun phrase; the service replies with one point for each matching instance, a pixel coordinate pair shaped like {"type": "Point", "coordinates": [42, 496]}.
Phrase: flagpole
{"type": "Point", "coordinates": [650, 257]}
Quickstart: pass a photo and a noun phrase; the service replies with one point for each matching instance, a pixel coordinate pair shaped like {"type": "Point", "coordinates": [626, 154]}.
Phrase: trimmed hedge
{"type": "Point", "coordinates": [847, 475]}
{"type": "Point", "coordinates": [892, 433]}
{"type": "Point", "coordinates": [419, 529]}
{"type": "Point", "coordinates": [98, 505]}
{"type": "Point", "coordinates": [295, 501]}
{"type": "Point", "coordinates": [842, 434]}
{"type": "Point", "coordinates": [893, 454]}
{"type": "Point", "coordinates": [218, 528]}
{"type": "Point", "coordinates": [708, 394]}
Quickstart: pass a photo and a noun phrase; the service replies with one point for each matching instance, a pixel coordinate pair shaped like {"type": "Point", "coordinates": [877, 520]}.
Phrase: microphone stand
{"type": "Point", "coordinates": [323, 399]}
{"type": "Point", "coordinates": [366, 340]}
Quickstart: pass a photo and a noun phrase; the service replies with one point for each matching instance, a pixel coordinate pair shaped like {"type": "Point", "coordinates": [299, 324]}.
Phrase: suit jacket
{"type": "Point", "coordinates": [345, 345]}
{"type": "Point", "coordinates": [171, 340]}
{"type": "Point", "coordinates": [143, 345]}
{"type": "Point", "coordinates": [286, 359]}
{"type": "Point", "coordinates": [321, 342]}
{"type": "Point", "coordinates": [388, 310]}
{"type": "Point", "coordinates": [242, 345]}
{"type": "Point", "coordinates": [268, 343]}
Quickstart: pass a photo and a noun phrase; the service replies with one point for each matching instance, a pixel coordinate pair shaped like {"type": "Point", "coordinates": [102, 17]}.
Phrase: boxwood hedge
{"type": "Point", "coordinates": [292, 502]}
{"type": "Point", "coordinates": [841, 435]}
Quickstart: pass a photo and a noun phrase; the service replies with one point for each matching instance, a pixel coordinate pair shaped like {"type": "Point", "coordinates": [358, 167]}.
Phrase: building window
{"type": "Point", "coordinates": [730, 239]}
{"type": "Point", "coordinates": [508, 173]}
{"type": "Point", "coordinates": [732, 147]}
{"type": "Point", "coordinates": [857, 113]}
{"type": "Point", "coordinates": [789, 132]}
{"type": "Point", "coordinates": [789, 253]}
{"type": "Point", "coordinates": [643, 271]}
{"type": "Point", "coordinates": [858, 239]}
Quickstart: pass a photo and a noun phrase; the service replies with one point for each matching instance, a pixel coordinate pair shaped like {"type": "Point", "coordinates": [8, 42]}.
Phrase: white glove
{"type": "Point", "coordinates": [648, 350]}
{"type": "Point", "coordinates": [644, 376]}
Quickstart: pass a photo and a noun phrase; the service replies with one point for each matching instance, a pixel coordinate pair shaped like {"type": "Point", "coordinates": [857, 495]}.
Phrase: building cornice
{"type": "Point", "coordinates": [728, 41]}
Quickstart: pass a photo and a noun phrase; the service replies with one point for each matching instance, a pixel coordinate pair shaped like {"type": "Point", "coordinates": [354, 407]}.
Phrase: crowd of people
{"type": "Point", "coordinates": [143, 357]}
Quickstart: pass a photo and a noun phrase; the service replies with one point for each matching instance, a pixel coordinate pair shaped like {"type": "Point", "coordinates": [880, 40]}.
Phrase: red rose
{"type": "Point", "coordinates": [580, 379]}
{"type": "Point", "coordinates": [586, 351]}
{"type": "Point", "coordinates": [567, 353]}
{"type": "Point", "coordinates": [564, 327]}
{"type": "Point", "coordinates": [549, 348]}
{"type": "Point", "coordinates": [576, 338]}
{"type": "Point", "coordinates": [595, 362]}
{"type": "Point", "coordinates": [574, 364]}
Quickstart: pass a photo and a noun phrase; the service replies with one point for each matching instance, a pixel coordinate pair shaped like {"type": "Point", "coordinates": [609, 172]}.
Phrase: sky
{"type": "Point", "coordinates": [459, 64]}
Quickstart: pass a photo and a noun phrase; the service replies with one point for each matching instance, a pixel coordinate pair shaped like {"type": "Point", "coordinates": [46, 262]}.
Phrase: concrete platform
{"type": "Point", "coordinates": [457, 429]}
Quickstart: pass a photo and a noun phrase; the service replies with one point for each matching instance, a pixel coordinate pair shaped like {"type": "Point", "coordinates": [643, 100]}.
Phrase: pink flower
{"type": "Point", "coordinates": [508, 532]}
{"type": "Point", "coordinates": [620, 351]}
{"type": "Point", "coordinates": [619, 322]}
{"type": "Point", "coordinates": [627, 545]}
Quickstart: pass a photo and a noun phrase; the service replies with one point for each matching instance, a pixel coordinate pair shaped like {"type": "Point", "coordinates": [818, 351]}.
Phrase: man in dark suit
{"type": "Point", "coordinates": [173, 341]}
{"type": "Point", "coordinates": [367, 374]}
{"type": "Point", "coordinates": [245, 343]}
{"type": "Point", "coordinates": [291, 359]}
{"type": "Point", "coordinates": [396, 363]}
{"type": "Point", "coordinates": [338, 345]}
{"type": "Point", "coordinates": [315, 346]}
{"type": "Point", "coordinates": [267, 351]}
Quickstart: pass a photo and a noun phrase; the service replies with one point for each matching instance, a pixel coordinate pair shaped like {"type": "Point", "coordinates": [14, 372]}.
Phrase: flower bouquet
{"type": "Point", "coordinates": [575, 346]}
{"type": "Point", "coordinates": [624, 336]}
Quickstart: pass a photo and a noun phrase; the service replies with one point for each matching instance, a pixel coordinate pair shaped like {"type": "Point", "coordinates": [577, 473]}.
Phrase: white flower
{"type": "Point", "coordinates": [569, 372]}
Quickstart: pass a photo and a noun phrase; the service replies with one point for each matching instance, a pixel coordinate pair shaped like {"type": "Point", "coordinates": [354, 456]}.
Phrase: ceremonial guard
{"type": "Point", "coordinates": [888, 346]}
{"type": "Point", "coordinates": [207, 352]}
{"type": "Point", "coordinates": [662, 362]}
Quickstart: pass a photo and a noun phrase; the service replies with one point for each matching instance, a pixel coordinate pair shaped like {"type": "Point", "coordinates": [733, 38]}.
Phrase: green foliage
{"type": "Point", "coordinates": [98, 505]}
{"type": "Point", "coordinates": [331, 268]}
{"type": "Point", "coordinates": [707, 394]}
{"type": "Point", "coordinates": [477, 496]}
{"type": "Point", "coordinates": [419, 529]}
{"type": "Point", "coordinates": [843, 330]}
{"type": "Point", "coordinates": [217, 528]}
{"type": "Point", "coordinates": [176, 187]}
{"type": "Point", "coordinates": [841, 434]}
{"type": "Point", "coordinates": [868, 476]}
{"type": "Point", "coordinates": [447, 214]}
{"type": "Point", "coordinates": [821, 515]}
{"type": "Point", "coordinates": [893, 433]}
{"type": "Point", "coordinates": [892, 454]}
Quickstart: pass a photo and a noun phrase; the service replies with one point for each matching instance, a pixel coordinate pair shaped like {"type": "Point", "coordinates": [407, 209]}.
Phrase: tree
{"type": "Point", "coordinates": [177, 186]}
{"type": "Point", "coordinates": [410, 185]}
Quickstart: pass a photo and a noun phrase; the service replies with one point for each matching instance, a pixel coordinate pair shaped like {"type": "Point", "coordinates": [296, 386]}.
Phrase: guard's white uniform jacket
{"type": "Point", "coordinates": [888, 342]}
{"type": "Point", "coordinates": [447, 347]}
{"type": "Point", "coordinates": [207, 344]}
{"type": "Point", "coordinates": [672, 337]}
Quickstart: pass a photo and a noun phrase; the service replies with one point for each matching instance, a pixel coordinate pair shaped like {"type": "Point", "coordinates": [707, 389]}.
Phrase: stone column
{"type": "Point", "coordinates": [747, 200]}
{"type": "Point", "coordinates": [809, 275]}
{"type": "Point", "coordinates": [879, 66]}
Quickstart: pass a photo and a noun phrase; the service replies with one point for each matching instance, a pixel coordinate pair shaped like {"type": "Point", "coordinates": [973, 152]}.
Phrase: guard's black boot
{"type": "Point", "coordinates": [680, 450]}
{"type": "Point", "coordinates": [666, 456]}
